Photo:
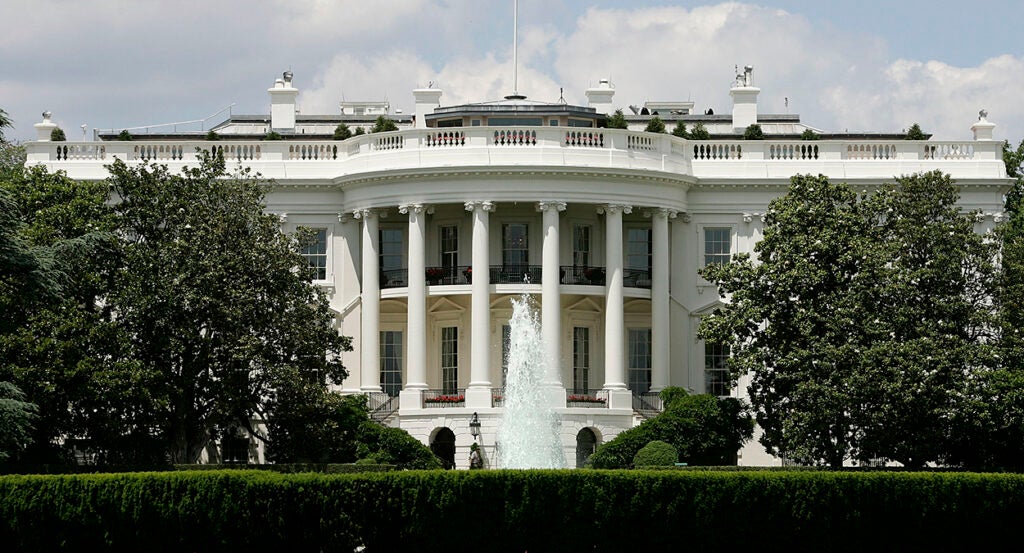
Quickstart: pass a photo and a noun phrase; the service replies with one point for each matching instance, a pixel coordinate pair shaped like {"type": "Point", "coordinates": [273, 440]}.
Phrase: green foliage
{"type": "Point", "coordinates": [383, 124]}
{"type": "Point", "coordinates": [699, 132]}
{"type": "Point", "coordinates": [680, 130]}
{"type": "Point", "coordinates": [704, 429]}
{"type": "Point", "coordinates": [394, 446]}
{"type": "Point", "coordinates": [5, 123]}
{"type": "Point", "coordinates": [12, 160]}
{"type": "Point", "coordinates": [753, 132]}
{"type": "Point", "coordinates": [16, 416]}
{"type": "Point", "coordinates": [655, 125]}
{"type": "Point", "coordinates": [656, 454]}
{"type": "Point", "coordinates": [359, 131]}
{"type": "Point", "coordinates": [809, 134]}
{"type": "Point", "coordinates": [341, 132]}
{"type": "Point", "coordinates": [273, 135]}
{"type": "Point", "coordinates": [212, 136]}
{"type": "Point", "coordinates": [124, 136]}
{"type": "Point", "coordinates": [915, 133]}
{"type": "Point", "coordinates": [215, 308]}
{"type": "Point", "coordinates": [57, 135]}
{"type": "Point", "coordinates": [510, 511]}
{"type": "Point", "coordinates": [617, 120]}
{"type": "Point", "coordinates": [311, 424]}
{"type": "Point", "coordinates": [863, 322]}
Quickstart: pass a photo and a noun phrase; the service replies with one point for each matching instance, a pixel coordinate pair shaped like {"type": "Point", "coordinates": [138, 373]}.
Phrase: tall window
{"type": "Point", "coordinates": [716, 372]}
{"type": "Point", "coordinates": [316, 254]}
{"type": "Point", "coordinates": [449, 239]}
{"type": "Point", "coordinates": [390, 249]}
{"type": "Point", "coordinates": [515, 249]}
{"type": "Point", "coordinates": [717, 246]}
{"type": "Point", "coordinates": [640, 360]}
{"type": "Point", "coordinates": [638, 249]}
{"type": "Point", "coordinates": [391, 361]}
{"type": "Point", "coordinates": [450, 359]}
{"type": "Point", "coordinates": [581, 245]}
{"type": "Point", "coordinates": [580, 359]}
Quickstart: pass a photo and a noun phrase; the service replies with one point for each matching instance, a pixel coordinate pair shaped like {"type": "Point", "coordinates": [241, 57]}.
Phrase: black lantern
{"type": "Point", "coordinates": [474, 427]}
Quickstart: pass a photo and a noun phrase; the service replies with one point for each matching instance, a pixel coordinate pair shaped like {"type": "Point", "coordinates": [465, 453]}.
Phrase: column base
{"type": "Point", "coordinates": [554, 396]}
{"type": "Point", "coordinates": [410, 398]}
{"type": "Point", "coordinates": [366, 389]}
{"type": "Point", "coordinates": [620, 399]}
{"type": "Point", "coordinates": [478, 397]}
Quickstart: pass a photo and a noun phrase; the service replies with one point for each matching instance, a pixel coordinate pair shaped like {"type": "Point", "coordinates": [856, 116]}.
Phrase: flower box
{"type": "Point", "coordinates": [445, 399]}
{"type": "Point", "coordinates": [573, 398]}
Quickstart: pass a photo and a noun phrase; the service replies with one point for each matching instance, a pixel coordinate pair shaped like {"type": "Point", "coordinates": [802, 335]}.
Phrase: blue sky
{"type": "Point", "coordinates": [866, 65]}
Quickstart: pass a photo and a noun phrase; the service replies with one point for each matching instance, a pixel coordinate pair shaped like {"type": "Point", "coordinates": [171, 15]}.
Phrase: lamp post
{"type": "Point", "coordinates": [474, 427]}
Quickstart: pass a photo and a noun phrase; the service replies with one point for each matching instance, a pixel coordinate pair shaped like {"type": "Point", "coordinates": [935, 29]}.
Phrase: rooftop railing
{"type": "Point", "coordinates": [542, 146]}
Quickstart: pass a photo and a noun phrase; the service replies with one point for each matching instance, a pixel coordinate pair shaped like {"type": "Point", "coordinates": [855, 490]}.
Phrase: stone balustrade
{"type": "Point", "coordinates": [544, 146]}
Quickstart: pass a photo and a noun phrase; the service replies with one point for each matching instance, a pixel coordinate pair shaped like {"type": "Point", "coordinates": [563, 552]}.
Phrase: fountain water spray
{"type": "Point", "coordinates": [529, 432]}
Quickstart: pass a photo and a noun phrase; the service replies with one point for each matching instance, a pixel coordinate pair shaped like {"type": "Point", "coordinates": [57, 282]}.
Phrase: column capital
{"type": "Point", "coordinates": [684, 217]}
{"type": "Point", "coordinates": [550, 204]}
{"type": "Point", "coordinates": [481, 205]}
{"type": "Point", "coordinates": [363, 213]}
{"type": "Point", "coordinates": [404, 209]}
{"type": "Point", "coordinates": [344, 217]}
{"type": "Point", "coordinates": [614, 208]}
{"type": "Point", "coordinates": [666, 212]}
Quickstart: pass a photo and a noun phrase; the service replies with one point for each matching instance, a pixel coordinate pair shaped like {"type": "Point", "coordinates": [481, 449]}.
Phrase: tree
{"type": "Point", "coordinates": [704, 429]}
{"type": "Point", "coordinates": [383, 124]}
{"type": "Point", "coordinates": [16, 416]}
{"type": "Point", "coordinates": [5, 123]}
{"type": "Point", "coordinates": [915, 133]}
{"type": "Point", "coordinates": [311, 424]}
{"type": "Point", "coordinates": [753, 132]}
{"type": "Point", "coordinates": [794, 319]}
{"type": "Point", "coordinates": [57, 135]}
{"type": "Point", "coordinates": [341, 132]}
{"type": "Point", "coordinates": [359, 131]}
{"type": "Point", "coordinates": [617, 120]}
{"type": "Point", "coordinates": [809, 134]}
{"type": "Point", "coordinates": [680, 130]}
{"type": "Point", "coordinates": [655, 125]}
{"type": "Point", "coordinates": [932, 333]}
{"type": "Point", "coordinates": [699, 132]}
{"type": "Point", "coordinates": [215, 301]}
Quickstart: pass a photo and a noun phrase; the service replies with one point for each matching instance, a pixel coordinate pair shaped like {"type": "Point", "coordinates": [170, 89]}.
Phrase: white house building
{"type": "Point", "coordinates": [426, 233]}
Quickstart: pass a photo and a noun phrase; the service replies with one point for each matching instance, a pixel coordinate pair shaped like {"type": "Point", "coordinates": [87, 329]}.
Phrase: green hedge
{"type": "Point", "coordinates": [582, 510]}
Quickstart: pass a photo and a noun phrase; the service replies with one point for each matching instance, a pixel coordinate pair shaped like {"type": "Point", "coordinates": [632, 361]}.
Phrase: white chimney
{"type": "Point", "coordinates": [426, 100]}
{"type": "Point", "coordinates": [744, 99]}
{"type": "Point", "coordinates": [600, 97]}
{"type": "Point", "coordinates": [282, 103]}
{"type": "Point", "coordinates": [983, 128]}
{"type": "Point", "coordinates": [44, 129]}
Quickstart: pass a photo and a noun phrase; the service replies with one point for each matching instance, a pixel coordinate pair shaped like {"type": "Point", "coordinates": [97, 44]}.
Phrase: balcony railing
{"type": "Point", "coordinates": [648, 404]}
{"type": "Point", "coordinates": [497, 397]}
{"type": "Point", "coordinates": [636, 278]}
{"type": "Point", "coordinates": [441, 399]}
{"type": "Point", "coordinates": [394, 278]}
{"type": "Point", "coordinates": [585, 275]}
{"type": "Point", "coordinates": [515, 274]}
{"type": "Point", "coordinates": [486, 146]}
{"type": "Point", "coordinates": [597, 399]}
{"type": "Point", "coordinates": [381, 405]}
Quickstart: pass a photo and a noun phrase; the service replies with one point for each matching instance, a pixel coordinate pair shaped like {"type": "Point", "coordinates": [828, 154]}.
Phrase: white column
{"type": "Point", "coordinates": [660, 323]}
{"type": "Point", "coordinates": [480, 312]}
{"type": "Point", "coordinates": [417, 310]}
{"type": "Point", "coordinates": [551, 301]}
{"type": "Point", "coordinates": [614, 320]}
{"type": "Point", "coordinates": [370, 327]}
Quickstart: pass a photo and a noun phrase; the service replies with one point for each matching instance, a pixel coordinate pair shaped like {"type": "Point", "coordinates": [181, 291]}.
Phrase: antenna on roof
{"type": "Point", "coordinates": [515, 54]}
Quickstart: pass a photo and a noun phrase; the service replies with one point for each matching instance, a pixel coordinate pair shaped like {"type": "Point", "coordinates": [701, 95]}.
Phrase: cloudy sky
{"type": "Point", "coordinates": [856, 65]}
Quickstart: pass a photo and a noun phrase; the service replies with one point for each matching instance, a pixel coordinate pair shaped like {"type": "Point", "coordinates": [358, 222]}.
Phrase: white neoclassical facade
{"type": "Point", "coordinates": [426, 233]}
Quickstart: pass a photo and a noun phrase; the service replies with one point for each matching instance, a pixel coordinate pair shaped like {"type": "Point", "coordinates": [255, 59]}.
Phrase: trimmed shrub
{"type": "Point", "coordinates": [656, 454]}
{"type": "Point", "coordinates": [617, 120]}
{"type": "Point", "coordinates": [699, 132]}
{"type": "Point", "coordinates": [680, 130]}
{"type": "Point", "coordinates": [753, 132]}
{"type": "Point", "coordinates": [342, 132]}
{"type": "Point", "coordinates": [273, 135]}
{"type": "Point", "coordinates": [809, 134]}
{"type": "Point", "coordinates": [57, 135]}
{"type": "Point", "coordinates": [212, 136]}
{"type": "Point", "coordinates": [915, 133]}
{"type": "Point", "coordinates": [124, 136]}
{"type": "Point", "coordinates": [511, 511]}
{"type": "Point", "coordinates": [655, 125]}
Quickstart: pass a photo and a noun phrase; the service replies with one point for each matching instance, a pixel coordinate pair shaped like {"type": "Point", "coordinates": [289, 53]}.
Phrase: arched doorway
{"type": "Point", "coordinates": [443, 445]}
{"type": "Point", "coordinates": [586, 444]}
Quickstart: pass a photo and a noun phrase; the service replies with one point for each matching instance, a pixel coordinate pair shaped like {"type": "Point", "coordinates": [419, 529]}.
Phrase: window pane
{"type": "Point", "coordinates": [391, 249]}
{"type": "Point", "coordinates": [640, 359]}
{"type": "Point", "coordinates": [449, 359]}
{"type": "Point", "coordinates": [581, 359]}
{"type": "Point", "coordinates": [716, 372]}
{"type": "Point", "coordinates": [391, 361]}
{"type": "Point", "coordinates": [515, 251]}
{"type": "Point", "coordinates": [638, 249]}
{"type": "Point", "coordinates": [449, 240]}
{"type": "Point", "coordinates": [316, 254]}
{"type": "Point", "coordinates": [581, 245]}
{"type": "Point", "coordinates": [717, 246]}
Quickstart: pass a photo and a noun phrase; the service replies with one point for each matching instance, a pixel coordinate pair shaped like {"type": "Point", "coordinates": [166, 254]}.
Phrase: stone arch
{"type": "Point", "coordinates": [587, 441]}
{"type": "Point", "coordinates": [442, 443]}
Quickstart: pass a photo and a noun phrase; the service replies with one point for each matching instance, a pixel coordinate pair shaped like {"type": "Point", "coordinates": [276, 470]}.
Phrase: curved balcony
{"type": "Point", "coordinates": [541, 146]}
{"type": "Point", "coordinates": [515, 274]}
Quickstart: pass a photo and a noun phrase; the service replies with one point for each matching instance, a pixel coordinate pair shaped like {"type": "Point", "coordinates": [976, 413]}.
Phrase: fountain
{"type": "Point", "coordinates": [528, 434]}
